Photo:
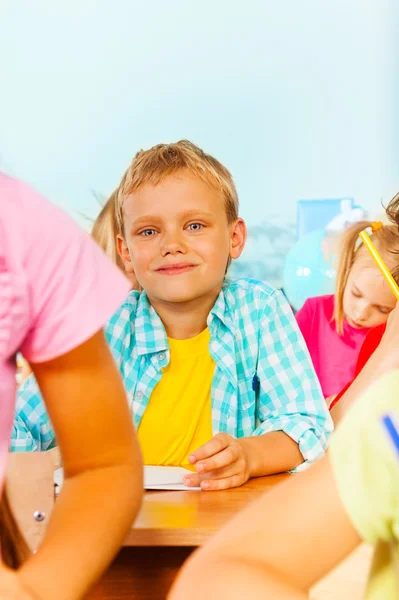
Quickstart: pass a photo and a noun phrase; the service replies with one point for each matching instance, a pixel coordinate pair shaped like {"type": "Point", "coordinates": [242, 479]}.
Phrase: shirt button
{"type": "Point", "coordinates": [139, 395]}
{"type": "Point", "coordinates": [161, 356]}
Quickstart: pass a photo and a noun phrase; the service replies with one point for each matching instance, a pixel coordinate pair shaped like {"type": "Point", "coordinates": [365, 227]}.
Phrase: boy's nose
{"type": "Point", "coordinates": [173, 245]}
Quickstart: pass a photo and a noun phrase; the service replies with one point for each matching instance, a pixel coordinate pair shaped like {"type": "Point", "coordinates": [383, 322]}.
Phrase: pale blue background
{"type": "Point", "coordinates": [298, 97]}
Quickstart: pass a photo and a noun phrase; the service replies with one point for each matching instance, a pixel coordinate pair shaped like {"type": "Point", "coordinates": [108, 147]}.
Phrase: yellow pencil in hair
{"type": "Point", "coordinates": [379, 262]}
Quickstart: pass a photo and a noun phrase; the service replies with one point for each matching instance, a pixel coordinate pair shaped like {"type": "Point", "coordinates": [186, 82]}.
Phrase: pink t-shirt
{"type": "Point", "coordinates": [57, 288]}
{"type": "Point", "coordinates": [334, 357]}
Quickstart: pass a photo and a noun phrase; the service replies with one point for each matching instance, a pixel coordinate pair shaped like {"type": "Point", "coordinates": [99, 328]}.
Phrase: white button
{"type": "Point", "coordinates": [139, 395]}
{"type": "Point", "coordinates": [161, 356]}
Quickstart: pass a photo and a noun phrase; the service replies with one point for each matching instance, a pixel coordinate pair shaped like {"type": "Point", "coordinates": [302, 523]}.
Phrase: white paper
{"type": "Point", "coordinates": [165, 478]}
{"type": "Point", "coordinates": [155, 478]}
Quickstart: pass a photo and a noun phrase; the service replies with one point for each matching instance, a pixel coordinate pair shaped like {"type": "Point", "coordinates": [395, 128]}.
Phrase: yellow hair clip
{"type": "Point", "coordinates": [376, 226]}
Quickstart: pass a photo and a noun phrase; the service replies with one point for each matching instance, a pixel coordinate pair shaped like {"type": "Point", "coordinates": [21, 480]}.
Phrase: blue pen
{"type": "Point", "coordinates": [392, 431]}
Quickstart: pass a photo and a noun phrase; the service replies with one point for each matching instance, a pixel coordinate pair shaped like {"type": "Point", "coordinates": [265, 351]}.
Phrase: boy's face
{"type": "Point", "coordinates": [178, 240]}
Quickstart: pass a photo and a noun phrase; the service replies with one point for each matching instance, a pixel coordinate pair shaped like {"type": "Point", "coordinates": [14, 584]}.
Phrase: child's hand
{"type": "Point", "coordinates": [221, 463]}
{"type": "Point", "coordinates": [11, 586]}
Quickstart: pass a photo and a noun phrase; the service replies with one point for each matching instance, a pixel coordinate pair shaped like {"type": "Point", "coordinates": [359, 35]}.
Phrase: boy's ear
{"type": "Point", "coordinates": [124, 253]}
{"type": "Point", "coordinates": [238, 238]}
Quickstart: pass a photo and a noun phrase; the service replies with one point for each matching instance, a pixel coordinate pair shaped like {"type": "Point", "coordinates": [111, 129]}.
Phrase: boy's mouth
{"type": "Point", "coordinates": [176, 269]}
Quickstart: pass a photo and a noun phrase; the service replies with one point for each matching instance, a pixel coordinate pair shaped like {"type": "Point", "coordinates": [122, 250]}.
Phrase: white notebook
{"type": "Point", "coordinates": [155, 478]}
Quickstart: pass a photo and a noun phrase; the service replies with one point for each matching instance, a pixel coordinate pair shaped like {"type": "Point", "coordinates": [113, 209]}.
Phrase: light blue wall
{"type": "Point", "coordinates": [295, 97]}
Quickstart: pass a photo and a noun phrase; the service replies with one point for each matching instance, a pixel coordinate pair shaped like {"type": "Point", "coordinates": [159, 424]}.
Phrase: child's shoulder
{"type": "Point", "coordinates": [125, 314]}
{"type": "Point", "coordinates": [251, 287]}
{"type": "Point", "coordinates": [324, 303]}
{"type": "Point", "coordinates": [246, 295]}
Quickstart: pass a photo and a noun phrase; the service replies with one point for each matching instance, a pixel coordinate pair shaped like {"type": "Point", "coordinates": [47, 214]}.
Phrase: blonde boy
{"type": "Point", "coordinates": [217, 372]}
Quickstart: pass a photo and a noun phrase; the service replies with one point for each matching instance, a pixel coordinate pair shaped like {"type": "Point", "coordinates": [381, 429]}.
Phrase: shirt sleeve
{"type": "Point", "coordinates": [73, 287]}
{"type": "Point", "coordinates": [32, 430]}
{"type": "Point", "coordinates": [290, 397]}
{"type": "Point", "coordinates": [365, 463]}
{"type": "Point", "coordinates": [304, 320]}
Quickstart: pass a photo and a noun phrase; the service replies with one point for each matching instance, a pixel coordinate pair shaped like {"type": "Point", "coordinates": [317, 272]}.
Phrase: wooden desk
{"type": "Point", "coordinates": [169, 527]}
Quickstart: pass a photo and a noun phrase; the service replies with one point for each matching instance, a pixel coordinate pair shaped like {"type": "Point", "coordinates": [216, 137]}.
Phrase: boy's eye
{"type": "Point", "coordinates": [383, 310]}
{"type": "Point", "coordinates": [195, 226]}
{"type": "Point", "coordinates": [147, 232]}
{"type": "Point", "coordinates": [356, 294]}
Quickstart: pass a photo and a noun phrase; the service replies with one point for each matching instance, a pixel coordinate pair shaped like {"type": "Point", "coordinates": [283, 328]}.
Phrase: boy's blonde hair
{"type": "Point", "coordinates": [105, 230]}
{"type": "Point", "coordinates": [386, 240]}
{"type": "Point", "coordinates": [154, 165]}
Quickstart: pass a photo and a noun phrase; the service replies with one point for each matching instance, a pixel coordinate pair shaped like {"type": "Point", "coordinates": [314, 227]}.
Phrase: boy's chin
{"type": "Point", "coordinates": [178, 294]}
{"type": "Point", "coordinates": [177, 298]}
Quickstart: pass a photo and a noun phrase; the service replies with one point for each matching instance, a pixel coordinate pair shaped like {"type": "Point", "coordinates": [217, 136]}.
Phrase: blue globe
{"type": "Point", "coordinates": [309, 268]}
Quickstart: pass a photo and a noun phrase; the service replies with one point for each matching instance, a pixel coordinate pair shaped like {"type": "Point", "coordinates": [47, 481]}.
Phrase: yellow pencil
{"type": "Point", "coordinates": [380, 263]}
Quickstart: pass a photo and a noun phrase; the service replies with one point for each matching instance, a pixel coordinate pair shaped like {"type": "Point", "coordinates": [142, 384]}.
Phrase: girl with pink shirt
{"type": "Point", "coordinates": [57, 289]}
{"type": "Point", "coordinates": [335, 326]}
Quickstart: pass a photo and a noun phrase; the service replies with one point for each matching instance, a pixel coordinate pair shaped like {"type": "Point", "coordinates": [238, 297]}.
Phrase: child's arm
{"type": "Point", "coordinates": [290, 399]}
{"type": "Point", "coordinates": [276, 548]}
{"type": "Point", "coordinates": [226, 462]}
{"type": "Point", "coordinates": [300, 530]}
{"type": "Point", "coordinates": [86, 401]}
{"type": "Point", "coordinates": [32, 430]}
{"type": "Point", "coordinates": [294, 422]}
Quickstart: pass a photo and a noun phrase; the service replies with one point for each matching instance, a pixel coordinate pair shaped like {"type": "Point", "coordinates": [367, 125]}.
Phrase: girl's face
{"type": "Point", "coordinates": [368, 299]}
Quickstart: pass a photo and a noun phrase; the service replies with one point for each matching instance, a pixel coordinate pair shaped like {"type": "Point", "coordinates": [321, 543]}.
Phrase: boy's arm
{"type": "Point", "coordinates": [290, 398]}
{"type": "Point", "coordinates": [294, 422]}
{"type": "Point", "coordinates": [32, 430]}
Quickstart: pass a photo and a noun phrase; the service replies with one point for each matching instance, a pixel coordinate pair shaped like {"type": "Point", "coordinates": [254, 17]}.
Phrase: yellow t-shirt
{"type": "Point", "coordinates": [178, 418]}
{"type": "Point", "coordinates": [366, 469]}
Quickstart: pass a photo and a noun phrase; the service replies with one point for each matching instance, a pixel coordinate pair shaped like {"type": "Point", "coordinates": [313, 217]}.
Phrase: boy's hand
{"type": "Point", "coordinates": [221, 463]}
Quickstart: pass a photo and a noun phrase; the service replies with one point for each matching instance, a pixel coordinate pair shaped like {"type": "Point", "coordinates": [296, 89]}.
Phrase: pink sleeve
{"type": "Point", "coordinates": [304, 320]}
{"type": "Point", "coordinates": [73, 287]}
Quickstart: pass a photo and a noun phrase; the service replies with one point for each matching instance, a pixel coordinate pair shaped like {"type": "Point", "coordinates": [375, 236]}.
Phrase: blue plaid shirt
{"type": "Point", "coordinates": [264, 379]}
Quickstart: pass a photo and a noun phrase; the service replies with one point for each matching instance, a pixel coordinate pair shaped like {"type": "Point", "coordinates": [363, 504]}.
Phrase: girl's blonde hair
{"type": "Point", "coordinates": [386, 240]}
{"type": "Point", "coordinates": [105, 230]}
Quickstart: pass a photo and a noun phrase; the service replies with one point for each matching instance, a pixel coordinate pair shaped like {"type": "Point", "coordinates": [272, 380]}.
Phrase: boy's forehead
{"type": "Point", "coordinates": [174, 194]}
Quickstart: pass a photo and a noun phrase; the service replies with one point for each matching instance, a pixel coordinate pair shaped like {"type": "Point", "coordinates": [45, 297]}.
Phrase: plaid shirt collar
{"type": "Point", "coordinates": [147, 319]}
